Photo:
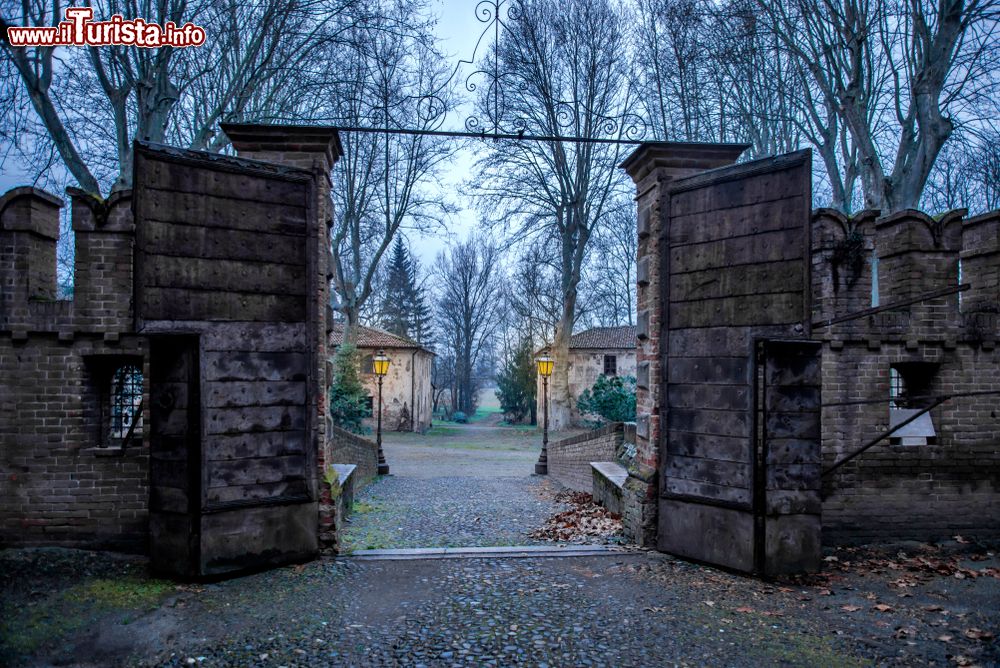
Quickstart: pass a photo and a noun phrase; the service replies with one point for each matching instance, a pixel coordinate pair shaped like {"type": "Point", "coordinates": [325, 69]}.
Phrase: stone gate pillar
{"type": "Point", "coordinates": [316, 148]}
{"type": "Point", "coordinates": [653, 166]}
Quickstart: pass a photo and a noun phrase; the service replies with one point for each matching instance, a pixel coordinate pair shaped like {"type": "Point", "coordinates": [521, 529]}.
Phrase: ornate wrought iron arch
{"type": "Point", "coordinates": [498, 124]}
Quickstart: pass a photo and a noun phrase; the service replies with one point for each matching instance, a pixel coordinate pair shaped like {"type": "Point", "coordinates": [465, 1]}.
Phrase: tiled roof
{"type": "Point", "coordinates": [603, 338]}
{"type": "Point", "coordinates": [369, 337]}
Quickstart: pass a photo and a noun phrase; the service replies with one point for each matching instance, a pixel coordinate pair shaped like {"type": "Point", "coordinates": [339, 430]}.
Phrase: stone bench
{"type": "Point", "coordinates": [608, 481]}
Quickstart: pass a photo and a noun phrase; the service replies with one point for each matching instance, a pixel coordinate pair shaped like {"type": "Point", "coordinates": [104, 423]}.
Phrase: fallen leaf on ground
{"type": "Point", "coordinates": [978, 634]}
{"type": "Point", "coordinates": [883, 607]}
{"type": "Point", "coordinates": [744, 608]}
{"type": "Point", "coordinates": [190, 588]}
{"type": "Point", "coordinates": [945, 638]}
{"type": "Point", "coordinates": [583, 520]}
{"type": "Point", "coordinates": [850, 608]}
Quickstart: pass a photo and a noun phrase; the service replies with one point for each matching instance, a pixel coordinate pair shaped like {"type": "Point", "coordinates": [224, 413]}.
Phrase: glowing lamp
{"type": "Point", "coordinates": [545, 365]}
{"type": "Point", "coordinates": [380, 364]}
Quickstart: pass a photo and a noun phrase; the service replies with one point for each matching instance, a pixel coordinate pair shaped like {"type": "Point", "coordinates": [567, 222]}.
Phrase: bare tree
{"type": "Point", "coordinates": [610, 282]}
{"type": "Point", "coordinates": [90, 103]}
{"type": "Point", "coordinates": [384, 182]}
{"type": "Point", "coordinates": [986, 170]}
{"type": "Point", "coordinates": [898, 75]}
{"type": "Point", "coordinates": [673, 68]}
{"type": "Point", "coordinates": [566, 71]}
{"type": "Point", "coordinates": [757, 92]}
{"type": "Point", "coordinates": [951, 184]}
{"type": "Point", "coordinates": [468, 312]}
{"type": "Point", "coordinates": [533, 295]}
{"type": "Point", "coordinates": [709, 73]}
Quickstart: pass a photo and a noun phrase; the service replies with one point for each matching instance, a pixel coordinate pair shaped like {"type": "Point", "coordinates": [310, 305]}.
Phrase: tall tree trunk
{"type": "Point", "coordinates": [559, 395]}
{"type": "Point", "coordinates": [351, 311]}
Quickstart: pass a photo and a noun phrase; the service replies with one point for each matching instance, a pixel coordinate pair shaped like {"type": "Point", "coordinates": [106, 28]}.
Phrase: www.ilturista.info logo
{"type": "Point", "coordinates": [80, 30]}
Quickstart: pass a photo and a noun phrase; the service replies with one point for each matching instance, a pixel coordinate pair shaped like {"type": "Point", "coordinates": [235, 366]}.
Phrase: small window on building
{"type": "Point", "coordinates": [910, 386]}
{"type": "Point", "coordinates": [610, 365]}
{"type": "Point", "coordinates": [125, 405]}
{"type": "Point", "coordinates": [368, 365]}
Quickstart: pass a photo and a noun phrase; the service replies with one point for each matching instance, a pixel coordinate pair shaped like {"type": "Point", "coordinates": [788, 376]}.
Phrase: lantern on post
{"type": "Point", "coordinates": [545, 364]}
{"type": "Point", "coordinates": [380, 365]}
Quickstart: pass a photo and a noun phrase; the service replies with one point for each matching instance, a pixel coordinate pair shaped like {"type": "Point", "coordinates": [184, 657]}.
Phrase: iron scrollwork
{"type": "Point", "coordinates": [495, 120]}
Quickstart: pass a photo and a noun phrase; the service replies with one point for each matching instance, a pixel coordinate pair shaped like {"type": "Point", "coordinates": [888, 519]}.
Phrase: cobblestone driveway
{"type": "Point", "coordinates": [456, 486]}
{"type": "Point", "coordinates": [634, 609]}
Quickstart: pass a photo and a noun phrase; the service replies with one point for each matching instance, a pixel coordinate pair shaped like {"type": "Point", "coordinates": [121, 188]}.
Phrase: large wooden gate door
{"type": "Point", "coordinates": [225, 267]}
{"type": "Point", "coordinates": [736, 255]}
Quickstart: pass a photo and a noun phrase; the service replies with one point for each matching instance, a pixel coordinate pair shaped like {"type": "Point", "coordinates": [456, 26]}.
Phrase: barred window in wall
{"type": "Point", "coordinates": [910, 385]}
{"type": "Point", "coordinates": [897, 389]}
{"type": "Point", "coordinates": [126, 404]}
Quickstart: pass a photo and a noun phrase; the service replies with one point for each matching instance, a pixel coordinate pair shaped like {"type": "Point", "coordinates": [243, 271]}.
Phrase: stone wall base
{"type": "Point", "coordinates": [639, 506]}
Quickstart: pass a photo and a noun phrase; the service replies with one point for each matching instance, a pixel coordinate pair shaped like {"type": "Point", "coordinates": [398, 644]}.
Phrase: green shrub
{"type": "Point", "coordinates": [460, 417]}
{"type": "Point", "coordinates": [612, 398]}
{"type": "Point", "coordinates": [517, 386]}
{"type": "Point", "coordinates": [348, 398]}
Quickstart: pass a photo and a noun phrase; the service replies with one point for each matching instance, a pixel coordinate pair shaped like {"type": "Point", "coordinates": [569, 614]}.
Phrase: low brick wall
{"type": "Point", "coordinates": [569, 459]}
{"type": "Point", "coordinates": [343, 447]}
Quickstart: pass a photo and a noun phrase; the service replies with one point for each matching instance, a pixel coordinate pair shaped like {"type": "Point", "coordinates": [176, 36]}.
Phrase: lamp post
{"type": "Point", "coordinates": [545, 365]}
{"type": "Point", "coordinates": [380, 365]}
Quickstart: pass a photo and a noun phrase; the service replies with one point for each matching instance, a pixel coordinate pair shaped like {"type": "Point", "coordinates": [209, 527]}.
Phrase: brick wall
{"type": "Point", "coordinates": [925, 492]}
{"type": "Point", "coordinates": [343, 447]}
{"type": "Point", "coordinates": [60, 482]}
{"type": "Point", "coordinates": [569, 459]}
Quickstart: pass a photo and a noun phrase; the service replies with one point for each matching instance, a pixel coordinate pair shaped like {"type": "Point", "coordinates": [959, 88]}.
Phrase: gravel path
{"type": "Point", "coordinates": [398, 512]}
{"type": "Point", "coordinates": [626, 609]}
{"type": "Point", "coordinates": [456, 486]}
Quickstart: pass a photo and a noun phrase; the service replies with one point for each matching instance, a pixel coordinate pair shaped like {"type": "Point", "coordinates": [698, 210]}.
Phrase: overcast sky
{"type": "Point", "coordinates": [458, 30]}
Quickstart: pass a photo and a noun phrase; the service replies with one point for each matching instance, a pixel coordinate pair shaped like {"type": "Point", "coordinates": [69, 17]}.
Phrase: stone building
{"type": "Point", "coordinates": [406, 389]}
{"type": "Point", "coordinates": [595, 352]}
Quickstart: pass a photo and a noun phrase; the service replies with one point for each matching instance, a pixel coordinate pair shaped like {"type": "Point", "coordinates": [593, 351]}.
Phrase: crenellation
{"type": "Point", "coordinates": [29, 229]}
{"type": "Point", "coordinates": [842, 253]}
{"type": "Point", "coordinates": [927, 491]}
